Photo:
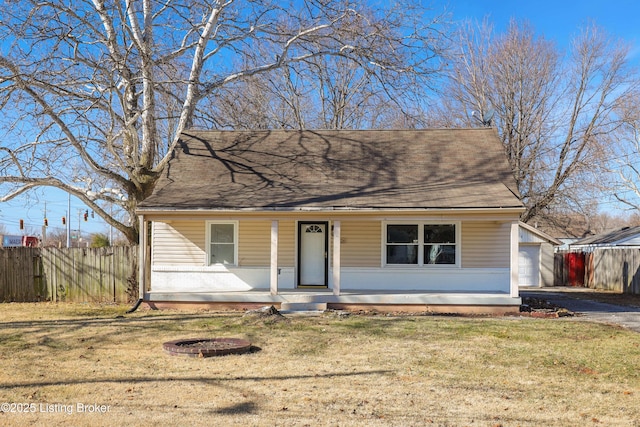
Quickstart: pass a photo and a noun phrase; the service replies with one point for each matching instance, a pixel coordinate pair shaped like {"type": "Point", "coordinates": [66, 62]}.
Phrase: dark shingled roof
{"type": "Point", "coordinates": [358, 169]}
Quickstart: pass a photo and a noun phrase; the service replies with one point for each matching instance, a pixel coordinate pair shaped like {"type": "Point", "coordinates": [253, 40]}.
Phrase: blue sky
{"type": "Point", "coordinates": [32, 211]}
{"type": "Point", "coordinates": [560, 21]}
{"type": "Point", "coordinates": [557, 20]}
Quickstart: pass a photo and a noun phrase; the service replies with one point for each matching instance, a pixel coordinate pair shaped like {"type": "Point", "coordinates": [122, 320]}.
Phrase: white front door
{"type": "Point", "coordinates": [312, 253]}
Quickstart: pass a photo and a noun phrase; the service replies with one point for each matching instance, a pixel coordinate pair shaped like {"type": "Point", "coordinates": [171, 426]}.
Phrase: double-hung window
{"type": "Point", "coordinates": [402, 244]}
{"type": "Point", "coordinates": [222, 243]}
{"type": "Point", "coordinates": [422, 243]}
{"type": "Point", "coordinates": [439, 244]}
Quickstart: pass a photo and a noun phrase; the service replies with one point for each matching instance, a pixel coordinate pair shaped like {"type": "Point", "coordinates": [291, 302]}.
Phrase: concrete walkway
{"type": "Point", "coordinates": [627, 317]}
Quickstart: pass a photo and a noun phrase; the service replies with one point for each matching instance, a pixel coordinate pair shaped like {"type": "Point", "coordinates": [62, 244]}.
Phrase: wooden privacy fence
{"type": "Point", "coordinates": [607, 269]}
{"type": "Point", "coordinates": [569, 268]}
{"type": "Point", "coordinates": [69, 274]}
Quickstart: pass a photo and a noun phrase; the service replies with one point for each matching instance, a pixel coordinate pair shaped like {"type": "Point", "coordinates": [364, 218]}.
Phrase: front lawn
{"type": "Point", "coordinates": [74, 364]}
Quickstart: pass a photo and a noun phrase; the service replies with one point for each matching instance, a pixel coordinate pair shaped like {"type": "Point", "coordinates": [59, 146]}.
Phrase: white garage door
{"type": "Point", "coordinates": [529, 265]}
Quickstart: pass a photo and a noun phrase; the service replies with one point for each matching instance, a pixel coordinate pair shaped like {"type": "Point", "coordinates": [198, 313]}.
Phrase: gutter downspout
{"type": "Point", "coordinates": [135, 307]}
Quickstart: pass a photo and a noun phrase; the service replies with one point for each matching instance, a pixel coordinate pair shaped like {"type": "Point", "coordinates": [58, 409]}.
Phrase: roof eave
{"type": "Point", "coordinates": [541, 234]}
{"type": "Point", "coordinates": [201, 211]}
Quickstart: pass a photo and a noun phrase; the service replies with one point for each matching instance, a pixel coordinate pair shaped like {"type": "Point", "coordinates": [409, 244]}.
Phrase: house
{"type": "Point", "coordinates": [622, 238]}
{"type": "Point", "coordinates": [383, 219]}
{"type": "Point", "coordinates": [536, 252]}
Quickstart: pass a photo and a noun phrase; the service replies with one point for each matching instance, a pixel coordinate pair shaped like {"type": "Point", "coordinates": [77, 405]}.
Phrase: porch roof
{"type": "Point", "coordinates": [352, 169]}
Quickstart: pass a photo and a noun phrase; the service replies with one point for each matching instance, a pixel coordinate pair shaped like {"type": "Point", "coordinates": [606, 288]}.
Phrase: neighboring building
{"type": "Point", "coordinates": [606, 261]}
{"type": "Point", "coordinates": [625, 237]}
{"type": "Point", "coordinates": [7, 241]}
{"type": "Point", "coordinates": [387, 219]}
{"type": "Point", "coordinates": [566, 243]}
{"type": "Point", "coordinates": [536, 257]}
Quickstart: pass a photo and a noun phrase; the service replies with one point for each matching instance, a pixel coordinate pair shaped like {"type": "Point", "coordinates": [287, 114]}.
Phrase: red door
{"type": "Point", "coordinates": [575, 265]}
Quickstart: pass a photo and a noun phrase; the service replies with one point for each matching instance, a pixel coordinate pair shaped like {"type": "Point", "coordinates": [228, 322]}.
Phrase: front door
{"type": "Point", "coordinates": [312, 253]}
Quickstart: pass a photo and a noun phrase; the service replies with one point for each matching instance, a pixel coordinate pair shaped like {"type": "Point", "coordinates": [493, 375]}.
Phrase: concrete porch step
{"type": "Point", "coordinates": [303, 306]}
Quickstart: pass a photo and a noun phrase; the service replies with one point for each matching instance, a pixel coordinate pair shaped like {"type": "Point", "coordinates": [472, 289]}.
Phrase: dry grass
{"type": "Point", "coordinates": [330, 370]}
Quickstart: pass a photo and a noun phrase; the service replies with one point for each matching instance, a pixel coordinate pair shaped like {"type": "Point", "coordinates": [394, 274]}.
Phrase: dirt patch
{"type": "Point", "coordinates": [539, 307]}
{"type": "Point", "coordinates": [266, 315]}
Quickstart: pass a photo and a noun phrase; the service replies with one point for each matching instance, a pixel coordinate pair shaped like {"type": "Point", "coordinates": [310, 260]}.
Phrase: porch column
{"type": "Point", "coordinates": [336, 257]}
{"type": "Point", "coordinates": [273, 281]}
{"type": "Point", "coordinates": [142, 256]}
{"type": "Point", "coordinates": [515, 246]}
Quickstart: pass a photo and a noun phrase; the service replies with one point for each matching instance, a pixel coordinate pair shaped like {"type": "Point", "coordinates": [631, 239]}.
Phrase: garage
{"type": "Point", "coordinates": [535, 257]}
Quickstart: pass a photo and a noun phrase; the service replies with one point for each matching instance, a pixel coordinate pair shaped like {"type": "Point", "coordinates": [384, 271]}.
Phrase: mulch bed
{"type": "Point", "coordinates": [533, 307]}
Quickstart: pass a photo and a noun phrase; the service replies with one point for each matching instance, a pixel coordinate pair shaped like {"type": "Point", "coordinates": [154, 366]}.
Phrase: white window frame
{"type": "Point", "coordinates": [421, 243]}
{"type": "Point", "coordinates": [208, 243]}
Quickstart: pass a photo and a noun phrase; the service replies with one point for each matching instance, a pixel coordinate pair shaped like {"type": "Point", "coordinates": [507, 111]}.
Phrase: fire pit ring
{"type": "Point", "coordinates": [206, 347]}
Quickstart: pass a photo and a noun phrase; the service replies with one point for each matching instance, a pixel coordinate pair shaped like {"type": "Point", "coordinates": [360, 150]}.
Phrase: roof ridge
{"type": "Point", "coordinates": [341, 130]}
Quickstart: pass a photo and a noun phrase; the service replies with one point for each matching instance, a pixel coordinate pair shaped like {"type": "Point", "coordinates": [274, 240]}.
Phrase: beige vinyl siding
{"type": "Point", "coordinates": [254, 243]}
{"type": "Point", "coordinates": [182, 242]}
{"type": "Point", "coordinates": [179, 243]}
{"type": "Point", "coordinates": [254, 240]}
{"type": "Point", "coordinates": [286, 243]}
{"type": "Point", "coordinates": [360, 243]}
{"type": "Point", "coordinates": [485, 244]}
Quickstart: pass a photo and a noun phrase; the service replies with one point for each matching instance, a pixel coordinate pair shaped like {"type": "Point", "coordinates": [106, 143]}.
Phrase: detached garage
{"type": "Point", "coordinates": [535, 257]}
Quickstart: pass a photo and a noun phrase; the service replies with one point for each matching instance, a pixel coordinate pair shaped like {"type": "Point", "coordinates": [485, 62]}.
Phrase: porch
{"type": "Point", "coordinates": [384, 301]}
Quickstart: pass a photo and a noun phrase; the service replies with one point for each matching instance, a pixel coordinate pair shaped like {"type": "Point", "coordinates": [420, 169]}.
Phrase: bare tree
{"type": "Point", "coordinates": [338, 92]}
{"type": "Point", "coordinates": [555, 114]}
{"type": "Point", "coordinates": [323, 93]}
{"type": "Point", "coordinates": [94, 94]}
{"type": "Point", "coordinates": [57, 237]}
{"type": "Point", "coordinates": [626, 160]}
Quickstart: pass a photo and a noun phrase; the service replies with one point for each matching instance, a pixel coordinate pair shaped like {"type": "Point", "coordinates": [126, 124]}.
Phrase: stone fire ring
{"type": "Point", "coordinates": [206, 347]}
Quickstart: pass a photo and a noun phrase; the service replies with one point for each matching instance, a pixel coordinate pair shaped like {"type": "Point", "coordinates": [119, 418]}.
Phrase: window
{"type": "Point", "coordinates": [421, 244]}
{"type": "Point", "coordinates": [439, 244]}
{"type": "Point", "coordinates": [313, 228]}
{"type": "Point", "coordinates": [402, 244]}
{"type": "Point", "coordinates": [222, 246]}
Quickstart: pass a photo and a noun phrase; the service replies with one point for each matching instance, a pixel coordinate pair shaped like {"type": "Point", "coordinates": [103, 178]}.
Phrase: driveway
{"type": "Point", "coordinates": [627, 317]}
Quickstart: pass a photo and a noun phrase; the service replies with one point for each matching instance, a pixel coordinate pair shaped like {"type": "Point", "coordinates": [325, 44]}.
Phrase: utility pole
{"type": "Point", "coordinates": [111, 226]}
{"type": "Point", "coordinates": [68, 221]}
{"type": "Point", "coordinates": [44, 226]}
{"type": "Point", "coordinates": [79, 233]}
